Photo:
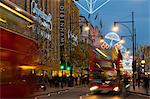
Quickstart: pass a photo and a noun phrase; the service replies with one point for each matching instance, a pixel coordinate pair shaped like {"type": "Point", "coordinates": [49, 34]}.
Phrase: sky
{"type": "Point", "coordinates": [120, 10]}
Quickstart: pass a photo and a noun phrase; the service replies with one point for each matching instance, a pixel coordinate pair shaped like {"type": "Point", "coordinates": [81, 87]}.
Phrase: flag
{"type": "Point", "coordinates": [101, 25]}
{"type": "Point", "coordinates": [95, 17]}
{"type": "Point", "coordinates": [89, 16]}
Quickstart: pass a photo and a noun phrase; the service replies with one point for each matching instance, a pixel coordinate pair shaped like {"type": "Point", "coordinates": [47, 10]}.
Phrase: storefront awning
{"type": "Point", "coordinates": [25, 67]}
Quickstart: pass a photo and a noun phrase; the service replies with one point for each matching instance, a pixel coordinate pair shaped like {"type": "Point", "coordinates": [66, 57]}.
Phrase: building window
{"type": "Point", "coordinates": [25, 5]}
{"type": "Point", "coordinates": [45, 9]}
{"type": "Point", "coordinates": [30, 6]}
{"type": "Point", "coordinates": [41, 4]}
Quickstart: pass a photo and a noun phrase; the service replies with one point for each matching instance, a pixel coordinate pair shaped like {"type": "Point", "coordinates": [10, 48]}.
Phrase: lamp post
{"type": "Point", "coordinates": [87, 28]}
{"type": "Point", "coordinates": [143, 62]}
{"type": "Point", "coordinates": [62, 67]}
{"type": "Point", "coordinates": [70, 47]}
{"type": "Point", "coordinates": [133, 35]}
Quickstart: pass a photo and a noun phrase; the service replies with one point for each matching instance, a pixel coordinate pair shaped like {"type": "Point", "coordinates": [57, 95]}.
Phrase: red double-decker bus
{"type": "Point", "coordinates": [105, 75]}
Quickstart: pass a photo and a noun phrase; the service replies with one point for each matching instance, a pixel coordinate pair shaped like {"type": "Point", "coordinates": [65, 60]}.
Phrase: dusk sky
{"type": "Point", "coordinates": [120, 10]}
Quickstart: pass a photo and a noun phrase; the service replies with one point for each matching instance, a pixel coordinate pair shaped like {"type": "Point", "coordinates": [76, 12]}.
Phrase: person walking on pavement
{"type": "Point", "coordinates": [50, 81]}
{"type": "Point", "coordinates": [76, 80]}
{"type": "Point", "coordinates": [125, 82]}
{"type": "Point", "coordinates": [146, 84]}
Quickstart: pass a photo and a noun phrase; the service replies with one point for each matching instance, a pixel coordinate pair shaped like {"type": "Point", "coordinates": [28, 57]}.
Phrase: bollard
{"type": "Point", "coordinates": [58, 92]}
{"type": "Point", "coordinates": [80, 97]}
{"type": "Point", "coordinates": [48, 94]}
{"type": "Point", "coordinates": [36, 98]}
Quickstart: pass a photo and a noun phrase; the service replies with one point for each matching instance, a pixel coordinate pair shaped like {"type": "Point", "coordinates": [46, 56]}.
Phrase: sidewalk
{"type": "Point", "coordinates": [51, 90]}
{"type": "Point", "coordinates": [138, 90]}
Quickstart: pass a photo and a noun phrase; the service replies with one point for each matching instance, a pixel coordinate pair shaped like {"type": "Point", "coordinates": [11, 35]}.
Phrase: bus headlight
{"type": "Point", "coordinates": [93, 88]}
{"type": "Point", "coordinates": [42, 86]}
{"type": "Point", "coordinates": [116, 89]}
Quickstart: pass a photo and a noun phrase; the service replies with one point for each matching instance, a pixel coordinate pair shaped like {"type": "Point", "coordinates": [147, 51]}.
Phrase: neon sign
{"type": "Point", "coordinates": [62, 20]}
{"type": "Point", "coordinates": [112, 36]}
{"type": "Point", "coordinates": [73, 38]}
{"type": "Point", "coordinates": [91, 6]}
{"type": "Point", "coordinates": [45, 20]}
{"type": "Point", "coordinates": [62, 31]}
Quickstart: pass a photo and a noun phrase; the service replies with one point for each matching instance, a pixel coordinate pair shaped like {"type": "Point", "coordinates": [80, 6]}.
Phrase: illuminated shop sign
{"type": "Point", "coordinates": [73, 38]}
{"type": "Point", "coordinates": [112, 36]}
{"type": "Point", "coordinates": [115, 42]}
{"type": "Point", "coordinates": [43, 33]}
{"type": "Point", "coordinates": [62, 32]}
{"type": "Point", "coordinates": [45, 20]}
{"type": "Point", "coordinates": [62, 23]}
{"type": "Point", "coordinates": [104, 45]}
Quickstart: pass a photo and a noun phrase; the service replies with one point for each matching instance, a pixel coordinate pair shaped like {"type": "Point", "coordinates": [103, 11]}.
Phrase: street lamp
{"type": "Point", "coordinates": [115, 28]}
{"type": "Point", "coordinates": [128, 52]}
{"type": "Point", "coordinates": [86, 28]}
{"type": "Point", "coordinates": [142, 61]}
{"type": "Point", "coordinates": [101, 40]}
{"type": "Point", "coordinates": [133, 35]}
{"type": "Point", "coordinates": [143, 65]}
{"type": "Point", "coordinates": [122, 41]}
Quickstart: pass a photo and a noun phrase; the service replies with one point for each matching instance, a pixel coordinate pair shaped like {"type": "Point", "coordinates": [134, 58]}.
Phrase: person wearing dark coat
{"type": "Point", "coordinates": [146, 84]}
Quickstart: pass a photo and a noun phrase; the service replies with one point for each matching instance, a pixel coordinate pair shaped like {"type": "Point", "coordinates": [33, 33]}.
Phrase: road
{"type": "Point", "coordinates": [83, 93]}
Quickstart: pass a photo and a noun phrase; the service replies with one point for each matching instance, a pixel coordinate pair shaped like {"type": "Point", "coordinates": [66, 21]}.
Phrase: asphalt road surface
{"type": "Point", "coordinates": [83, 93]}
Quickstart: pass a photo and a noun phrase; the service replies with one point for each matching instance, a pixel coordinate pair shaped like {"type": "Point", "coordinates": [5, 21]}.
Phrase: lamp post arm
{"type": "Point", "coordinates": [125, 26]}
{"type": "Point", "coordinates": [123, 21]}
{"type": "Point", "coordinates": [128, 36]}
{"type": "Point", "coordinates": [133, 33]}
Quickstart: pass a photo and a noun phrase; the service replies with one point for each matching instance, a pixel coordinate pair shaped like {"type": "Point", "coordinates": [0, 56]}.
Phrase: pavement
{"type": "Point", "coordinates": [57, 92]}
{"type": "Point", "coordinates": [50, 91]}
{"type": "Point", "coordinates": [82, 92]}
{"type": "Point", "coordinates": [138, 91]}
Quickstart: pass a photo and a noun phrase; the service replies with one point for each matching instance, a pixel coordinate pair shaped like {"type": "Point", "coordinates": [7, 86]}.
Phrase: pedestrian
{"type": "Point", "coordinates": [70, 81]}
{"type": "Point", "coordinates": [46, 79]}
{"type": "Point", "coordinates": [57, 81]}
{"type": "Point", "coordinates": [146, 83]}
{"type": "Point", "coordinates": [80, 78]}
{"type": "Point", "coordinates": [76, 80]}
{"type": "Point", "coordinates": [124, 85]}
{"type": "Point", "coordinates": [65, 80]}
{"type": "Point", "coordinates": [50, 81]}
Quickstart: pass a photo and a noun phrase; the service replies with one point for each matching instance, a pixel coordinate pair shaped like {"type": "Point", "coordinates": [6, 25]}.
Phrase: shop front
{"type": "Point", "coordinates": [20, 51]}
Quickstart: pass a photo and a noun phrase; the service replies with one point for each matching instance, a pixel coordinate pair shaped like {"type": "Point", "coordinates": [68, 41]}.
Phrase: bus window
{"type": "Point", "coordinates": [106, 64]}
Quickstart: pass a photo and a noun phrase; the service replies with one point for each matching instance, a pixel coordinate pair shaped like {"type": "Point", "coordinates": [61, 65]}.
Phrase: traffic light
{"type": "Point", "coordinates": [68, 67]}
{"type": "Point", "coordinates": [62, 67]}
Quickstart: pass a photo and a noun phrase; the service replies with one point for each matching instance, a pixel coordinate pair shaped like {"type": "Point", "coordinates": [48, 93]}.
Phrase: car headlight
{"type": "Point", "coordinates": [42, 86]}
{"type": "Point", "coordinates": [107, 82]}
{"type": "Point", "coordinates": [128, 85]}
{"type": "Point", "coordinates": [116, 89]}
{"type": "Point", "coordinates": [93, 88]}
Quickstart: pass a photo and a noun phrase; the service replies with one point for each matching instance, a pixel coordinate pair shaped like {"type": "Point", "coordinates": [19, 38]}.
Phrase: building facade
{"type": "Point", "coordinates": [69, 31]}
{"type": "Point", "coordinates": [48, 47]}
{"type": "Point", "coordinates": [38, 22]}
{"type": "Point", "coordinates": [18, 44]}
